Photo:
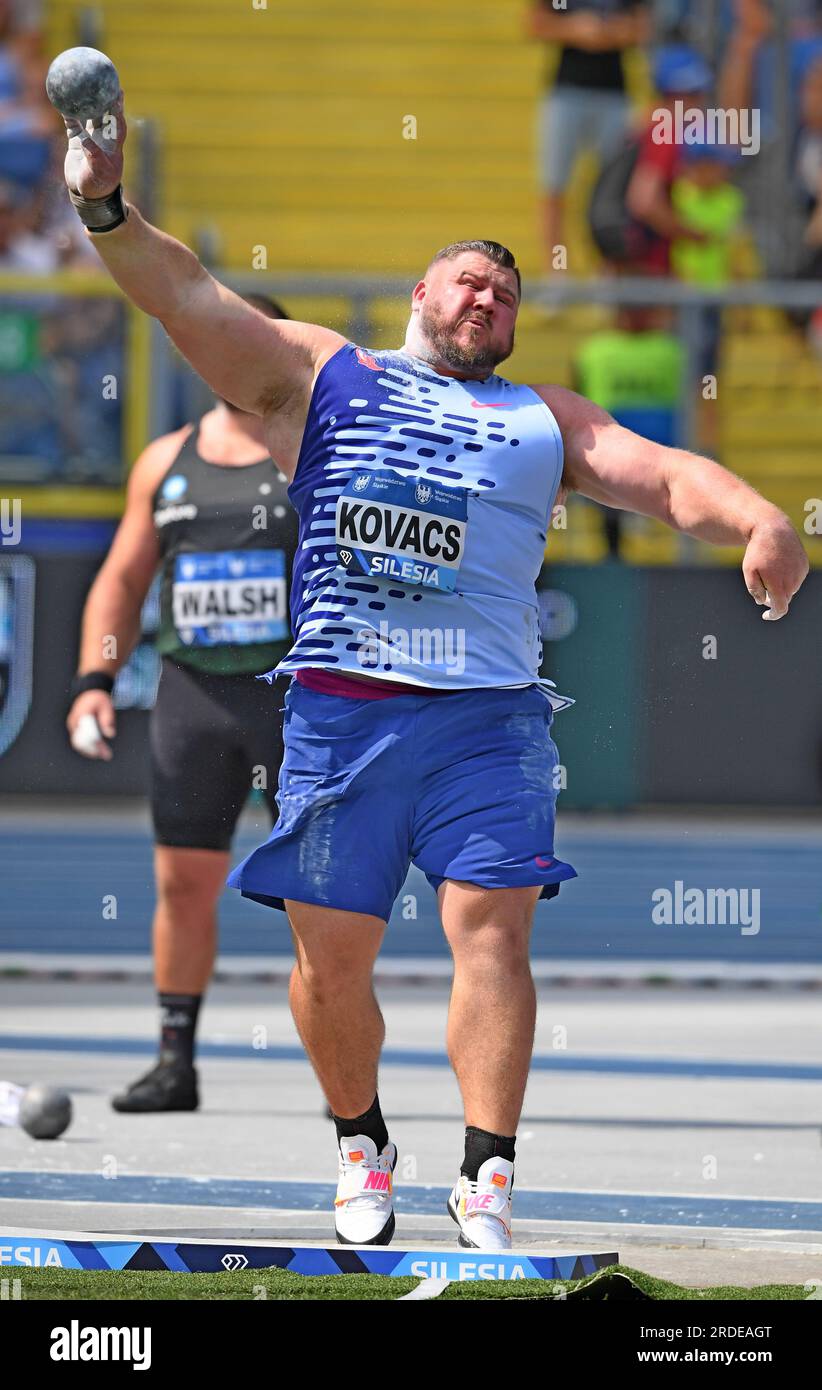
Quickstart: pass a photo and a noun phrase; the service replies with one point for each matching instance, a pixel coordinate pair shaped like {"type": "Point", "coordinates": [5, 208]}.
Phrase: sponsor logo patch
{"type": "Point", "coordinates": [174, 487]}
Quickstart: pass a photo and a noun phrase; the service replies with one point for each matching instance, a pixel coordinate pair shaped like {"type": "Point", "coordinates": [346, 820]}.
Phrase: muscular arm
{"type": "Point", "coordinates": [261, 365]}
{"type": "Point", "coordinates": [257, 363]}
{"type": "Point", "coordinates": [614, 466]}
{"type": "Point", "coordinates": [114, 601]}
{"type": "Point", "coordinates": [113, 605]}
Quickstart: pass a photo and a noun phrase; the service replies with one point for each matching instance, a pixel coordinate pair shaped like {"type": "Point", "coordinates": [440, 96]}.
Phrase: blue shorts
{"type": "Point", "coordinates": [461, 784]}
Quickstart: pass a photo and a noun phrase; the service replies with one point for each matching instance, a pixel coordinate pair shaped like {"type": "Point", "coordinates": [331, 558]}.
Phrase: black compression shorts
{"type": "Point", "coordinates": [209, 734]}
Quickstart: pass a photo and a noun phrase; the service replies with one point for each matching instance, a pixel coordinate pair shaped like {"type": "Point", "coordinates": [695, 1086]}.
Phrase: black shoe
{"type": "Point", "coordinates": [168, 1086]}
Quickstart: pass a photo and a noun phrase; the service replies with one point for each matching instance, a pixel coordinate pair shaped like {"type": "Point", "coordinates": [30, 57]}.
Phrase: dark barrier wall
{"type": "Point", "coordinates": [664, 714]}
{"type": "Point", "coordinates": [746, 727]}
{"type": "Point", "coordinates": [684, 694]}
{"type": "Point", "coordinates": [41, 759]}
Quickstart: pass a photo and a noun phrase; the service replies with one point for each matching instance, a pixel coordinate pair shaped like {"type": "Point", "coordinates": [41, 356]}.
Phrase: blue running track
{"type": "Point", "coordinates": [55, 881]}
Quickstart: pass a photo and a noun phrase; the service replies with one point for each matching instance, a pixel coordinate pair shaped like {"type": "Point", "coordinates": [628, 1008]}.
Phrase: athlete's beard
{"type": "Point", "coordinates": [440, 338]}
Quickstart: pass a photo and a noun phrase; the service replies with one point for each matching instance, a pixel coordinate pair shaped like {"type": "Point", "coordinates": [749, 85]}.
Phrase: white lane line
{"type": "Point", "coordinates": [427, 1288]}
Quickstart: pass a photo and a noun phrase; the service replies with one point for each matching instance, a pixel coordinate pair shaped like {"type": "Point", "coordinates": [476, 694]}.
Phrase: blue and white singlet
{"type": "Point", "coordinates": [424, 506]}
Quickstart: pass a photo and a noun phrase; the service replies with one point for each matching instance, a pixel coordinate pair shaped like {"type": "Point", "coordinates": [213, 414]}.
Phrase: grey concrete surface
{"type": "Point", "coordinates": [585, 1131]}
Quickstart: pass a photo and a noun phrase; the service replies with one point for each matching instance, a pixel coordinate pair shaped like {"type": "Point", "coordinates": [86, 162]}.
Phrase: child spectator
{"type": "Point", "coordinates": [706, 201]}
{"type": "Point", "coordinates": [635, 372]}
{"type": "Point", "coordinates": [680, 76]}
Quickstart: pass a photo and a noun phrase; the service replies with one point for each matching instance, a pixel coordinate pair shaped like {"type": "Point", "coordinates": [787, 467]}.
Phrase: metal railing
{"type": "Point", "coordinates": [150, 392]}
{"type": "Point", "coordinates": [561, 291]}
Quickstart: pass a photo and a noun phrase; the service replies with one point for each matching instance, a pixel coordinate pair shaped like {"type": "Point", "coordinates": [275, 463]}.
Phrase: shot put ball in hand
{"type": "Point", "coordinates": [82, 83]}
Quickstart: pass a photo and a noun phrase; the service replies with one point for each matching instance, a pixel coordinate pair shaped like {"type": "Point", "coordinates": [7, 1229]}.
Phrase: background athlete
{"type": "Point", "coordinates": [452, 767]}
{"type": "Point", "coordinates": [209, 507]}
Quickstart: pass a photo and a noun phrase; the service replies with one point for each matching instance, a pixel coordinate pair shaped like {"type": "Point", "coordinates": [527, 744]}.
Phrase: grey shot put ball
{"type": "Point", "coordinates": [45, 1111]}
{"type": "Point", "coordinates": [82, 83]}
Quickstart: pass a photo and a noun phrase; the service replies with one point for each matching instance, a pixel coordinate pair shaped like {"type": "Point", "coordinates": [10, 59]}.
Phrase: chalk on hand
{"type": "Point", "coordinates": [11, 1097]}
{"type": "Point", "coordinates": [87, 735]}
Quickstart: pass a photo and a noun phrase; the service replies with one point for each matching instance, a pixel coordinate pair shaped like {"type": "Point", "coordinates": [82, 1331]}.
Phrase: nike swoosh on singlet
{"type": "Point", "coordinates": [491, 405]}
{"type": "Point", "coordinates": [368, 361]}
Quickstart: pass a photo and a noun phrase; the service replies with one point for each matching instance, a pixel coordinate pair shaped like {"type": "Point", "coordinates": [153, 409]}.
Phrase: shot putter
{"type": "Point", "coordinates": [44, 1112]}
{"type": "Point", "coordinates": [82, 83]}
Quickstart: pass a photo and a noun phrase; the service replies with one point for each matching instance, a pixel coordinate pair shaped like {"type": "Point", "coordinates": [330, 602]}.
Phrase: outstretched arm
{"type": "Point", "coordinates": [614, 466]}
{"type": "Point", "coordinates": [256, 363]}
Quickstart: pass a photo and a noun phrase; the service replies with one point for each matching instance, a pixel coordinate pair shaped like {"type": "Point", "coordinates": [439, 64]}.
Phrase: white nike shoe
{"type": "Point", "coordinates": [363, 1211]}
{"type": "Point", "coordinates": [482, 1209]}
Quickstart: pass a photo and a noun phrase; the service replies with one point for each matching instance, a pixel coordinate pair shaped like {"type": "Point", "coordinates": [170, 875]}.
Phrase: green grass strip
{"type": "Point", "coordinates": [245, 1285]}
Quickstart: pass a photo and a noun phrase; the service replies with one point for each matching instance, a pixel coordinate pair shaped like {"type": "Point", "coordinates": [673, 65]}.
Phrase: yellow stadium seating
{"type": "Point", "coordinates": [286, 125]}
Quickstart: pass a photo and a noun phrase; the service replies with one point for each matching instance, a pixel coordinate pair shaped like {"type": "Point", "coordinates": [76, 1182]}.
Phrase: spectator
{"type": "Point", "coordinates": [809, 154]}
{"type": "Point", "coordinates": [798, 250]}
{"type": "Point", "coordinates": [27, 121]}
{"type": "Point", "coordinates": [22, 22]}
{"type": "Point", "coordinates": [54, 350]}
{"type": "Point", "coordinates": [22, 66]}
{"type": "Point", "coordinates": [635, 372]}
{"type": "Point", "coordinates": [705, 200]}
{"type": "Point", "coordinates": [808, 170]}
{"type": "Point", "coordinates": [681, 76]}
{"type": "Point", "coordinates": [805, 16]}
{"type": "Point", "coordinates": [587, 107]}
{"type": "Point", "coordinates": [20, 248]}
{"type": "Point", "coordinates": [749, 76]}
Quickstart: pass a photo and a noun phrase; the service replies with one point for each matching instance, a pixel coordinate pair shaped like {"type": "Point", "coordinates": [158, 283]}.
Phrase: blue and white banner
{"type": "Point", "coordinates": [213, 1256]}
